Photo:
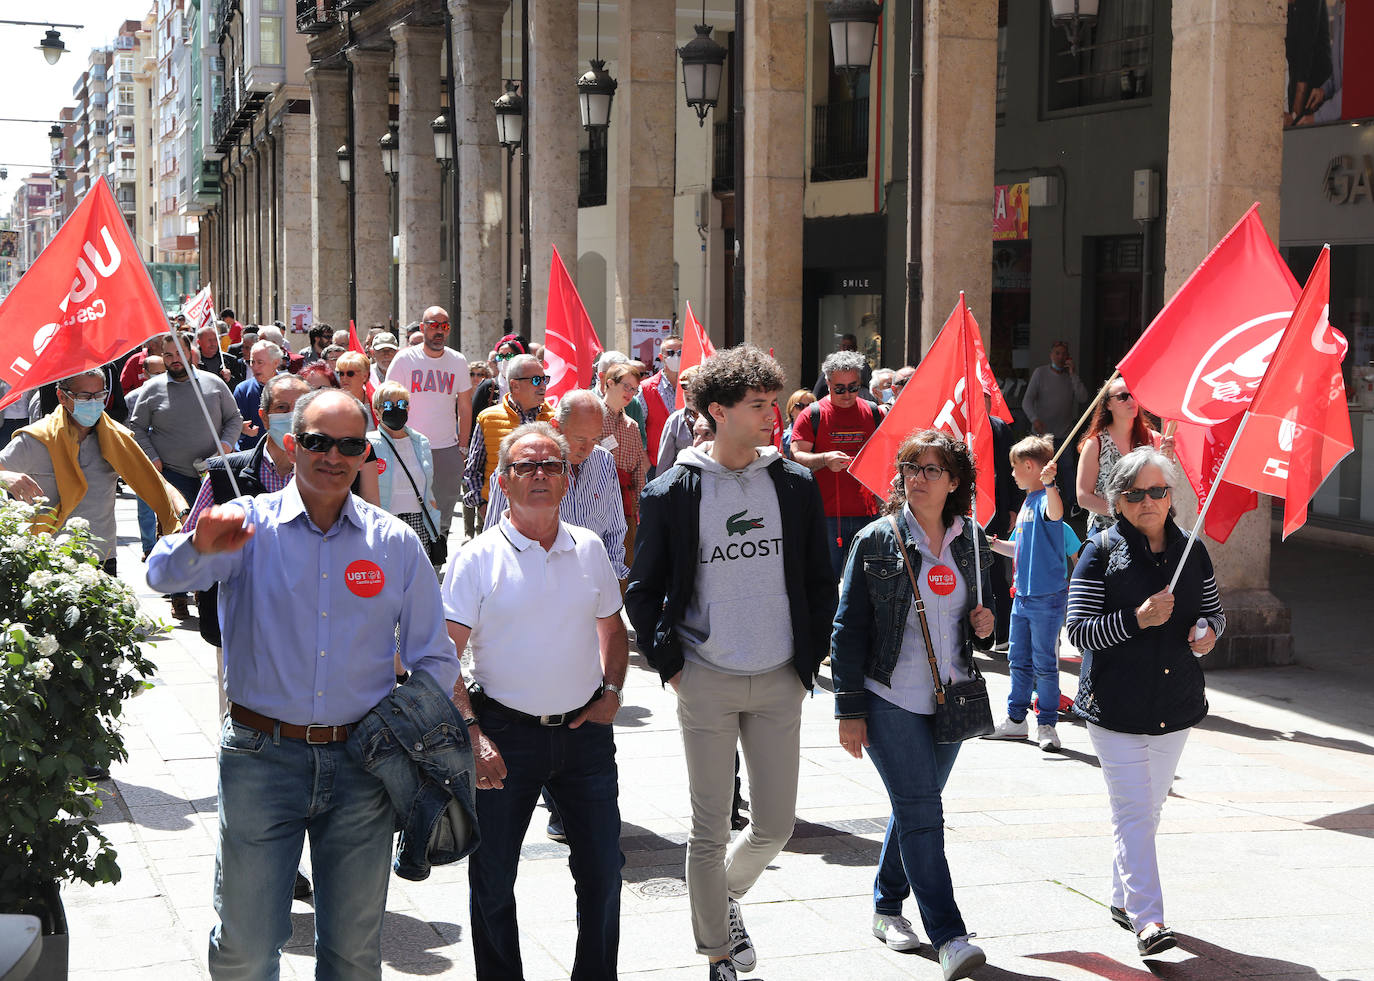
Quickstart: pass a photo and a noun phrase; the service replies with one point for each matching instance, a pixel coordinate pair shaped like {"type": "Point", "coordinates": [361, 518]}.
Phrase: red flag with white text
{"type": "Point", "coordinates": [84, 302]}
{"type": "Point", "coordinates": [570, 342]}
{"type": "Point", "coordinates": [1298, 426]}
{"type": "Point", "coordinates": [945, 393]}
{"type": "Point", "coordinates": [199, 310]}
{"type": "Point", "coordinates": [696, 348]}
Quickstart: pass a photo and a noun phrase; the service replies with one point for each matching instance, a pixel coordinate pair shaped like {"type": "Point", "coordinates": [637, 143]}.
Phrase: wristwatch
{"type": "Point", "coordinates": [617, 690]}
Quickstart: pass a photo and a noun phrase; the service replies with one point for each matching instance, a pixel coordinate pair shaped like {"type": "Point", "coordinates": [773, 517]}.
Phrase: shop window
{"type": "Point", "coordinates": [1114, 62]}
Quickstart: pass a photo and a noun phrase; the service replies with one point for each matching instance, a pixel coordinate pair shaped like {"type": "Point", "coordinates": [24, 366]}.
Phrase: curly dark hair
{"type": "Point", "coordinates": [954, 456]}
{"type": "Point", "coordinates": [728, 376]}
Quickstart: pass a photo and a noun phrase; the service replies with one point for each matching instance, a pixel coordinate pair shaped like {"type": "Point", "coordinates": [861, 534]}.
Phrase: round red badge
{"type": "Point", "coordinates": [364, 578]}
{"type": "Point", "coordinates": [940, 579]}
{"type": "Point", "coordinates": [381, 467]}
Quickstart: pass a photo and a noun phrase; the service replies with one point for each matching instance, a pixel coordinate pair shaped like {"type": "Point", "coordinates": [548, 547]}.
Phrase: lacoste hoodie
{"type": "Point", "coordinates": [739, 620]}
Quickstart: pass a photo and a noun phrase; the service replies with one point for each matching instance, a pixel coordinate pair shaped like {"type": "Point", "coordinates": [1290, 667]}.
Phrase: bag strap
{"type": "Point", "coordinates": [920, 610]}
{"type": "Point", "coordinates": [424, 515]}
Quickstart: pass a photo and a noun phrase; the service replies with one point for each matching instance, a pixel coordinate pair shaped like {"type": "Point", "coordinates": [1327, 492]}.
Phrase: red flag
{"type": "Point", "coordinates": [1200, 451]}
{"type": "Point", "coordinates": [356, 345]}
{"type": "Point", "coordinates": [696, 348]}
{"type": "Point", "coordinates": [199, 310]}
{"type": "Point", "coordinates": [571, 346]}
{"type": "Point", "coordinates": [85, 301]}
{"type": "Point", "coordinates": [1298, 427]}
{"type": "Point", "coordinates": [945, 393]}
{"type": "Point", "coordinates": [989, 380]}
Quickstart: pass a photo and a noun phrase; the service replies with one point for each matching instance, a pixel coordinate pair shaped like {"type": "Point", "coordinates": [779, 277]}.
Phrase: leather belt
{"type": "Point", "coordinates": [553, 720]}
{"type": "Point", "coordinates": [313, 734]}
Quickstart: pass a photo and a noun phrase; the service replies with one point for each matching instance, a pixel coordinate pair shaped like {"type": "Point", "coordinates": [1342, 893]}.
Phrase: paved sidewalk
{"type": "Point", "coordinates": [1267, 845]}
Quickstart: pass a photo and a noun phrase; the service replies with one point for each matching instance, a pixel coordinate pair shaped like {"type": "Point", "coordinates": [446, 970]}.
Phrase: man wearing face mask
{"type": "Point", "coordinates": [73, 456]}
{"type": "Point", "coordinates": [659, 393]}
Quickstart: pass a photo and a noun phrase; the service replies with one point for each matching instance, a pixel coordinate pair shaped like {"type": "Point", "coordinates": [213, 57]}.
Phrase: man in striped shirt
{"type": "Point", "coordinates": [593, 497]}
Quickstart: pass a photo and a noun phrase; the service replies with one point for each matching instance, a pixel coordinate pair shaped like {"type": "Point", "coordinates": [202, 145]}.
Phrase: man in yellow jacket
{"type": "Point", "coordinates": [523, 403]}
{"type": "Point", "coordinates": [55, 459]}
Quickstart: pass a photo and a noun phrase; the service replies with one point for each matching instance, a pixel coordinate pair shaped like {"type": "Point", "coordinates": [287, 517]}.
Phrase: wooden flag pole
{"type": "Point", "coordinates": [1202, 515]}
{"type": "Point", "coordinates": [1101, 392]}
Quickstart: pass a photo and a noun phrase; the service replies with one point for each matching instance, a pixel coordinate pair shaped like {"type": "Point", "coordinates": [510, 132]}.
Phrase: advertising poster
{"type": "Point", "coordinates": [302, 318]}
{"type": "Point", "coordinates": [646, 334]}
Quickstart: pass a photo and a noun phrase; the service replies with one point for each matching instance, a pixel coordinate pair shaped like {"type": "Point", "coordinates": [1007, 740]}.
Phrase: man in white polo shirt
{"type": "Point", "coordinates": [546, 689]}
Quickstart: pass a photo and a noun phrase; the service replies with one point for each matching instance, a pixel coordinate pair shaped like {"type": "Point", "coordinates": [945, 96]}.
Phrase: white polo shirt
{"type": "Point", "coordinates": [533, 614]}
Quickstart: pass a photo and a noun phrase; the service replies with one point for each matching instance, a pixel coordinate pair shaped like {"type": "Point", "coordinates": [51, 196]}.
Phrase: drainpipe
{"type": "Point", "coordinates": [914, 180]}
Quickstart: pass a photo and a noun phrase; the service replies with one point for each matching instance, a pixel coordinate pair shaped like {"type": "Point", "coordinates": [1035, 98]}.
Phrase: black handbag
{"type": "Point", "coordinates": [438, 547]}
{"type": "Point", "coordinates": [962, 711]}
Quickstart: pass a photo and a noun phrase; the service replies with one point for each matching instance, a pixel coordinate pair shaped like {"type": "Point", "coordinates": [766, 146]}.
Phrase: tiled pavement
{"type": "Point", "coordinates": [1267, 845]}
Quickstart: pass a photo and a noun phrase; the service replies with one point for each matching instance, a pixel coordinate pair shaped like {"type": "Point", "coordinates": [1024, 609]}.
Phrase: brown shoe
{"type": "Point", "coordinates": [180, 609]}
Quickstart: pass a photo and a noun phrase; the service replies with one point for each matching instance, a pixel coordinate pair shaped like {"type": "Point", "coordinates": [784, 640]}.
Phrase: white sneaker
{"type": "Point", "coordinates": [1047, 738]}
{"type": "Point", "coordinates": [742, 953]}
{"type": "Point", "coordinates": [895, 931]}
{"type": "Point", "coordinates": [958, 957]}
{"type": "Point", "coordinates": [1007, 729]}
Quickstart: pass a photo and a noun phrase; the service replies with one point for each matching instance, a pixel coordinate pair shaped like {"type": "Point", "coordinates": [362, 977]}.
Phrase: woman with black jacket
{"type": "Point", "coordinates": [1141, 687]}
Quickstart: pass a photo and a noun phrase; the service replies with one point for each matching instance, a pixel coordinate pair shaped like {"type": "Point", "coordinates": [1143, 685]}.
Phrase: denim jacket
{"type": "Point", "coordinates": [875, 598]}
{"type": "Point", "coordinates": [415, 742]}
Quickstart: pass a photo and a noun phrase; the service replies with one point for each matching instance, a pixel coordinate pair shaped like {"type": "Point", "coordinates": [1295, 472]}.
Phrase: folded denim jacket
{"type": "Point", "coordinates": [415, 742]}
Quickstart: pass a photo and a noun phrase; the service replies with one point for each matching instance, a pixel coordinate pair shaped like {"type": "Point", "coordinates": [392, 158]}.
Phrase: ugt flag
{"type": "Point", "coordinates": [1298, 427]}
{"type": "Point", "coordinates": [199, 310]}
{"type": "Point", "coordinates": [945, 393]}
{"type": "Point", "coordinates": [85, 301]}
{"type": "Point", "coordinates": [696, 348]}
{"type": "Point", "coordinates": [571, 346]}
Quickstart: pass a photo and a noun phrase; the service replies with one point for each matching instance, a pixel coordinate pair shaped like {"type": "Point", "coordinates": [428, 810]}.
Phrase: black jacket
{"type": "Point", "coordinates": [245, 464]}
{"type": "Point", "coordinates": [663, 576]}
{"type": "Point", "coordinates": [1140, 679]}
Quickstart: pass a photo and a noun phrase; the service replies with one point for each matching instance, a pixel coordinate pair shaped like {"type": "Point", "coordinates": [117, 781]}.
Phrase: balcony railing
{"type": "Point", "coordinates": [224, 13]}
{"type": "Point", "coordinates": [315, 16]}
{"type": "Point", "coordinates": [236, 110]}
{"type": "Point", "coordinates": [839, 141]}
{"type": "Point", "coordinates": [351, 6]}
{"type": "Point", "coordinates": [723, 173]}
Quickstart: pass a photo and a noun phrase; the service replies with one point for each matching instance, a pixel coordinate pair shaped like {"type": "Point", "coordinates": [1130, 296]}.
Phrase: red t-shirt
{"type": "Point", "coordinates": [235, 332]}
{"type": "Point", "coordinates": [846, 430]}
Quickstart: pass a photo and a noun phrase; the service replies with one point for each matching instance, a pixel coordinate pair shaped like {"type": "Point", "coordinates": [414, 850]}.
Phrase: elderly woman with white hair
{"type": "Point", "coordinates": [1141, 687]}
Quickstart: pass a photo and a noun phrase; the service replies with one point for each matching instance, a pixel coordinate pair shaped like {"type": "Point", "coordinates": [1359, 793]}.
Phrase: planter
{"type": "Point", "coordinates": [52, 962]}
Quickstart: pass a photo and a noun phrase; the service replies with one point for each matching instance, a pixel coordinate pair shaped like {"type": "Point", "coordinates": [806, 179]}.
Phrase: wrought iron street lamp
{"type": "Point", "coordinates": [55, 136]}
{"type": "Point", "coordinates": [703, 61]}
{"type": "Point", "coordinates": [443, 141]}
{"type": "Point", "coordinates": [510, 116]}
{"type": "Point", "coordinates": [345, 163]}
{"type": "Point", "coordinates": [390, 147]}
{"type": "Point", "coordinates": [853, 27]}
{"type": "Point", "coordinates": [596, 88]}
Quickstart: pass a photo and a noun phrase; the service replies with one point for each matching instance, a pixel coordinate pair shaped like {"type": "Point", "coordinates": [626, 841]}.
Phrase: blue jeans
{"type": "Point", "coordinates": [147, 526]}
{"type": "Point", "coordinates": [273, 791]}
{"type": "Point", "coordinates": [578, 768]}
{"type": "Point", "coordinates": [189, 487]}
{"type": "Point", "coordinates": [1034, 656]}
{"type": "Point", "coordinates": [839, 535]}
{"type": "Point", "coordinates": [913, 768]}
{"type": "Point", "coordinates": [890, 886]}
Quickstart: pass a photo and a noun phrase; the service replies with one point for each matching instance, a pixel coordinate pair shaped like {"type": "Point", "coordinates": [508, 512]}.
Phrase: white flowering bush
{"type": "Point", "coordinates": [71, 652]}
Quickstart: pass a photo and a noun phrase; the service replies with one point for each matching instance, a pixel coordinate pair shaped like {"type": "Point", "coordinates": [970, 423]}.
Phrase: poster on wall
{"type": "Point", "coordinates": [646, 334]}
{"type": "Point", "coordinates": [1328, 81]}
{"type": "Point", "coordinates": [1011, 212]}
{"type": "Point", "coordinates": [302, 318]}
{"type": "Point", "coordinates": [9, 244]}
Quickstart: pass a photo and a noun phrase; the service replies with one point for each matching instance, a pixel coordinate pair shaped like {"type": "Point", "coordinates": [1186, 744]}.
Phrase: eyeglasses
{"type": "Point", "coordinates": [526, 468]}
{"type": "Point", "coordinates": [1121, 397]}
{"type": "Point", "coordinates": [441, 324]}
{"type": "Point", "coordinates": [389, 404]}
{"type": "Point", "coordinates": [322, 444]}
{"type": "Point", "coordinates": [1137, 494]}
{"type": "Point", "coordinates": [929, 471]}
{"type": "Point", "coordinates": [100, 396]}
{"type": "Point", "coordinates": [350, 373]}
{"type": "Point", "coordinates": [538, 381]}
{"type": "Point", "coordinates": [843, 389]}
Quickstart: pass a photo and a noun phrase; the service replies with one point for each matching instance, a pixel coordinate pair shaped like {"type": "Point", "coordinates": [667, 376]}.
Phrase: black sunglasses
{"type": "Point", "coordinates": [1121, 397]}
{"type": "Point", "coordinates": [851, 387]}
{"type": "Point", "coordinates": [1137, 494]}
{"type": "Point", "coordinates": [320, 443]}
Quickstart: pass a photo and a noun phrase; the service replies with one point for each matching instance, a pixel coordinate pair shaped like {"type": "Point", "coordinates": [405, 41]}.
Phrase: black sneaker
{"type": "Point", "coordinates": [722, 971]}
{"type": "Point", "coordinates": [742, 953]}
{"type": "Point", "coordinates": [1154, 940]}
{"type": "Point", "coordinates": [302, 888]}
{"type": "Point", "coordinates": [1120, 918]}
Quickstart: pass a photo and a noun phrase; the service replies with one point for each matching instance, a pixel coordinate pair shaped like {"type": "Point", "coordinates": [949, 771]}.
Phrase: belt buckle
{"type": "Point", "coordinates": [556, 719]}
{"type": "Point", "coordinates": [319, 742]}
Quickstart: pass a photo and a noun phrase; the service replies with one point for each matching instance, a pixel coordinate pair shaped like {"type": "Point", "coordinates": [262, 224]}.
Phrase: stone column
{"type": "Point", "coordinates": [775, 53]}
{"type": "Point", "coordinates": [552, 118]}
{"type": "Point", "coordinates": [371, 187]}
{"type": "Point", "coordinates": [481, 171]}
{"type": "Point", "coordinates": [424, 279]}
{"type": "Point", "coordinates": [329, 253]}
{"type": "Point", "coordinates": [645, 147]}
{"type": "Point", "coordinates": [959, 110]}
{"type": "Point", "coordinates": [252, 211]}
{"type": "Point", "coordinates": [1231, 54]}
{"type": "Point", "coordinates": [293, 210]}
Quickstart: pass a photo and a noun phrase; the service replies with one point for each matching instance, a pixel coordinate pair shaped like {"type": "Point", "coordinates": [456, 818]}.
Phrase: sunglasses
{"type": "Point", "coordinates": [350, 373]}
{"type": "Point", "coordinates": [1137, 494]}
{"type": "Point", "coordinates": [929, 471]}
{"type": "Point", "coordinates": [1121, 397]}
{"type": "Point", "coordinates": [441, 324]}
{"type": "Point", "coordinates": [504, 357]}
{"type": "Point", "coordinates": [538, 381]}
{"type": "Point", "coordinates": [841, 389]}
{"type": "Point", "coordinates": [389, 404]}
{"type": "Point", "coordinates": [322, 444]}
{"type": "Point", "coordinates": [526, 468]}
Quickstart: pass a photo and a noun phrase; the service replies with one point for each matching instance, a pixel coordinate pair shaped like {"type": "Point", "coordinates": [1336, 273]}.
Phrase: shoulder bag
{"type": "Point", "coordinates": [438, 547]}
{"type": "Point", "coordinates": [962, 711]}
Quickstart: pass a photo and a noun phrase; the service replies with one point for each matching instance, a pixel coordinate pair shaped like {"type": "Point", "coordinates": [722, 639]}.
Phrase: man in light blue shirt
{"type": "Point", "coordinates": [359, 578]}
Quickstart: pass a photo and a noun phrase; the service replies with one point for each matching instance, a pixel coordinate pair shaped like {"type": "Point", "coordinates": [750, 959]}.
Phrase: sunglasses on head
{"type": "Point", "coordinates": [850, 388]}
{"type": "Point", "coordinates": [538, 381]}
{"type": "Point", "coordinates": [320, 443]}
{"type": "Point", "coordinates": [1137, 494]}
{"type": "Point", "coordinates": [1121, 397]}
{"type": "Point", "coordinates": [526, 468]}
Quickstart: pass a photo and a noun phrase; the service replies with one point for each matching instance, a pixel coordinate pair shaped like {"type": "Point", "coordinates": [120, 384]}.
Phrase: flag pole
{"type": "Point", "coordinates": [977, 562]}
{"type": "Point", "coordinates": [1101, 392]}
{"type": "Point", "coordinates": [1202, 515]}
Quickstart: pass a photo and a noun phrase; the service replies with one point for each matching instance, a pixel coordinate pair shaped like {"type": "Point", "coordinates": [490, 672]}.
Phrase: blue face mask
{"type": "Point", "coordinates": [278, 425]}
{"type": "Point", "coordinates": [87, 413]}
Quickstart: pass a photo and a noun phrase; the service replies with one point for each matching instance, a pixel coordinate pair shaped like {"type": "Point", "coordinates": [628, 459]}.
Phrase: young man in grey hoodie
{"type": "Point", "coordinates": [732, 601]}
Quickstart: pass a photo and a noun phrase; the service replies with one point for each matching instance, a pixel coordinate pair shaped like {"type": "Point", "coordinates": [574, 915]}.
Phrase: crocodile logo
{"type": "Point", "coordinates": [739, 524]}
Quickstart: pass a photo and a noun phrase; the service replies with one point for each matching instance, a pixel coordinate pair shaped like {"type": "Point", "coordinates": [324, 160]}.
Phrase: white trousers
{"type": "Point", "coordinates": [1139, 771]}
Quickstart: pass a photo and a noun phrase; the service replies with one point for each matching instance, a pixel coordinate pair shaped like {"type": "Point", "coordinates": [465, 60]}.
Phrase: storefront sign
{"type": "Point", "coordinates": [848, 282]}
{"type": "Point", "coordinates": [1011, 212]}
{"type": "Point", "coordinates": [1350, 179]}
{"type": "Point", "coordinates": [1328, 186]}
